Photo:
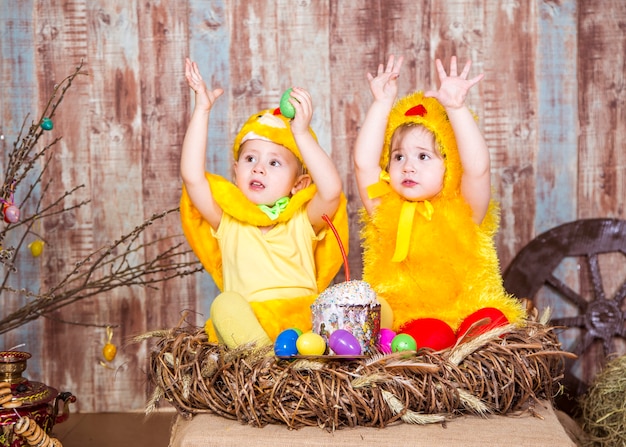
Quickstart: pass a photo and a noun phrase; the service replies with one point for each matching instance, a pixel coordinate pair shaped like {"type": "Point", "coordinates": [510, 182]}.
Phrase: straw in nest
{"type": "Point", "coordinates": [604, 406]}
{"type": "Point", "coordinates": [499, 372]}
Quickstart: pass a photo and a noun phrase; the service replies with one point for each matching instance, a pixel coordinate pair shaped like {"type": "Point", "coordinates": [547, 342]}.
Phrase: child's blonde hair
{"type": "Point", "coordinates": [402, 130]}
{"type": "Point", "coordinates": [416, 109]}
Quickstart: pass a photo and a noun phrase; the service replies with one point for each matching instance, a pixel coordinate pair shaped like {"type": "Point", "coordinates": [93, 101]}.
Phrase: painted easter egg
{"type": "Point", "coordinates": [286, 108]}
{"type": "Point", "coordinates": [109, 351]}
{"type": "Point", "coordinates": [297, 330]}
{"type": "Point", "coordinates": [11, 214]}
{"type": "Point", "coordinates": [47, 124]}
{"type": "Point", "coordinates": [36, 248]}
{"type": "Point", "coordinates": [342, 342]}
{"type": "Point", "coordinates": [311, 343]}
{"type": "Point", "coordinates": [385, 337]}
{"type": "Point", "coordinates": [493, 318]}
{"type": "Point", "coordinates": [403, 342]}
{"type": "Point", "coordinates": [430, 333]}
{"type": "Point", "coordinates": [285, 344]}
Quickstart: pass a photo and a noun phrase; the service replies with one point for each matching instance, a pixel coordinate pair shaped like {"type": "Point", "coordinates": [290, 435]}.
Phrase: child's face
{"type": "Point", "coordinates": [266, 171]}
{"type": "Point", "coordinates": [416, 168]}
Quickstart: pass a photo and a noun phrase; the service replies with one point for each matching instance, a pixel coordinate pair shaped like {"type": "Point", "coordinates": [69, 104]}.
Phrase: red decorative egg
{"type": "Point", "coordinates": [493, 318]}
{"type": "Point", "coordinates": [430, 333]}
{"type": "Point", "coordinates": [11, 214]}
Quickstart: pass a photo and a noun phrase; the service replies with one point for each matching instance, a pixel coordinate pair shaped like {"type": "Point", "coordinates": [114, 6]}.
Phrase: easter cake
{"type": "Point", "coordinates": [351, 306]}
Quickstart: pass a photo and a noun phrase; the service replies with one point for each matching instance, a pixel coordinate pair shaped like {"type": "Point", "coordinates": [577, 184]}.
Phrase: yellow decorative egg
{"type": "Point", "coordinates": [109, 351]}
{"type": "Point", "coordinates": [311, 343]}
{"type": "Point", "coordinates": [36, 248]}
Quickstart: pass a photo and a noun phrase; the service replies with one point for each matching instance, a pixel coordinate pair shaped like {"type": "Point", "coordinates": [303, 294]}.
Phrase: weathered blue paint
{"type": "Point", "coordinates": [556, 185]}
{"type": "Point", "coordinates": [18, 99]}
{"type": "Point", "coordinates": [209, 46]}
{"type": "Point", "coordinates": [557, 155]}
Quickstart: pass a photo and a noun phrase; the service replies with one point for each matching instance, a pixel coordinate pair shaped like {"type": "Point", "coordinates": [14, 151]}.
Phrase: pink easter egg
{"type": "Point", "coordinates": [384, 340]}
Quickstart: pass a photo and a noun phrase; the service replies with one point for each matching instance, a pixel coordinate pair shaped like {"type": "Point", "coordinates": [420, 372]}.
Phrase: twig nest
{"type": "Point", "coordinates": [500, 371]}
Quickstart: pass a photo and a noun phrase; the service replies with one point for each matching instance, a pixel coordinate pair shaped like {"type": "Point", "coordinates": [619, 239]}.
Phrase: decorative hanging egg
{"type": "Point", "coordinates": [36, 248]}
{"type": "Point", "coordinates": [11, 214]}
{"type": "Point", "coordinates": [109, 351]}
{"type": "Point", "coordinates": [47, 124]}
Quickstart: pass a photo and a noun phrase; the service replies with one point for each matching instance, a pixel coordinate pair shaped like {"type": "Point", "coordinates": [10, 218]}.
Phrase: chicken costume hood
{"type": "Point", "coordinates": [430, 259]}
{"type": "Point", "coordinates": [272, 126]}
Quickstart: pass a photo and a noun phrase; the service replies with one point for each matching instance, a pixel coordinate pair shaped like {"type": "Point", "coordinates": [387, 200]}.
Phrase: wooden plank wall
{"type": "Point", "coordinates": [552, 107]}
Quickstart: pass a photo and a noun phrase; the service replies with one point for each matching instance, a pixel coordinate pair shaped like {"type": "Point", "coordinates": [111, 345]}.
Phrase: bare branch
{"type": "Point", "coordinates": [126, 262]}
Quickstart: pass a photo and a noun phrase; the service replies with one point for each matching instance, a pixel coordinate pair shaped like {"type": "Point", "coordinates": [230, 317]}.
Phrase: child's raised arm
{"type": "Point", "coordinates": [321, 168]}
{"type": "Point", "coordinates": [476, 179]}
{"type": "Point", "coordinates": [193, 154]}
{"type": "Point", "coordinates": [369, 142]}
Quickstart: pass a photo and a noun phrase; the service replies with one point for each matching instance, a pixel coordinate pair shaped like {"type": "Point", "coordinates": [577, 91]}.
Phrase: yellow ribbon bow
{"type": "Point", "coordinates": [405, 226]}
{"type": "Point", "coordinates": [274, 211]}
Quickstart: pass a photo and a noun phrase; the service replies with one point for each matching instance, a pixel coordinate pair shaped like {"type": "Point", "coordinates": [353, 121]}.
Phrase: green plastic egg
{"type": "Point", "coordinates": [403, 342]}
{"type": "Point", "coordinates": [286, 108]}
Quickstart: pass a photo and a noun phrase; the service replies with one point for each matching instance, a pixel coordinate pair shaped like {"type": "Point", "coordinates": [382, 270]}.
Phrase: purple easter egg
{"type": "Point", "coordinates": [342, 342]}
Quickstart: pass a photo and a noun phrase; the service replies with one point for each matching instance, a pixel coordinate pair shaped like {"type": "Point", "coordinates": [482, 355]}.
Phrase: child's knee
{"type": "Point", "coordinates": [234, 321]}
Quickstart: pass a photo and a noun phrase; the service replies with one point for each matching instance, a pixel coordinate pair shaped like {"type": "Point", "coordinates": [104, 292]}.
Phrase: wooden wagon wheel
{"type": "Point", "coordinates": [599, 318]}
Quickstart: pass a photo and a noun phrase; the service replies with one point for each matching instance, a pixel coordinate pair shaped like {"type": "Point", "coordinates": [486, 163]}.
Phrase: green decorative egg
{"type": "Point", "coordinates": [286, 108]}
{"type": "Point", "coordinates": [47, 124]}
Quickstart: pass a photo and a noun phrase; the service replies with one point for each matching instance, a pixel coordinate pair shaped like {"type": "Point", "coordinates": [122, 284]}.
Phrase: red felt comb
{"type": "Point", "coordinates": [418, 110]}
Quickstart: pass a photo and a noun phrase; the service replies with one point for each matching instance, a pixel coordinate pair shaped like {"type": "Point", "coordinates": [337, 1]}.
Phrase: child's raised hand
{"type": "Point", "coordinates": [204, 97]}
{"type": "Point", "coordinates": [302, 102]}
{"type": "Point", "coordinates": [454, 87]}
{"type": "Point", "coordinates": [384, 85]}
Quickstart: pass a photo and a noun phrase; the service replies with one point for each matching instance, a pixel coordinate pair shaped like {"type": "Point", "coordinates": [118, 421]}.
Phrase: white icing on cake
{"type": "Point", "coordinates": [349, 293]}
{"type": "Point", "coordinates": [351, 305]}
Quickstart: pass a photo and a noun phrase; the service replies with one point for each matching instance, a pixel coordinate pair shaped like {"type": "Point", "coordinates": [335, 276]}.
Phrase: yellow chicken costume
{"type": "Point", "coordinates": [430, 259]}
{"type": "Point", "coordinates": [274, 315]}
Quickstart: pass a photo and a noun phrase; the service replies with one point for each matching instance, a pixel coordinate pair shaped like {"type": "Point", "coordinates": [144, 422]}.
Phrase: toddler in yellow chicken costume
{"type": "Point", "coordinates": [264, 238]}
{"type": "Point", "coordinates": [423, 173]}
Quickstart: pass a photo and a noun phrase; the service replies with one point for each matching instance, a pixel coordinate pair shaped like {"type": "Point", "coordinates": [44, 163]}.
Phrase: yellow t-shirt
{"type": "Point", "coordinates": [264, 266]}
{"type": "Point", "coordinates": [274, 315]}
